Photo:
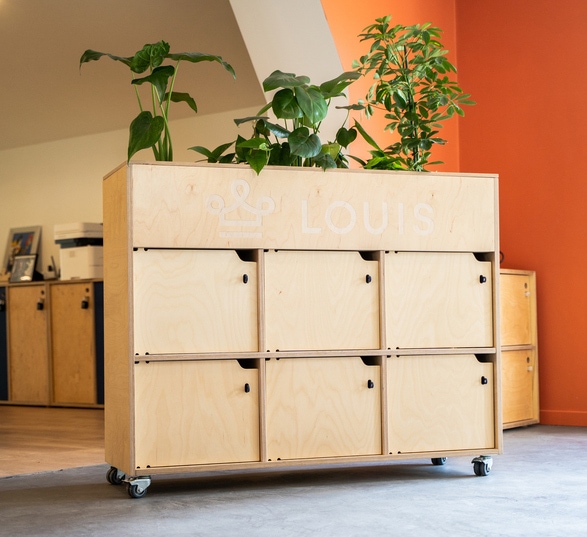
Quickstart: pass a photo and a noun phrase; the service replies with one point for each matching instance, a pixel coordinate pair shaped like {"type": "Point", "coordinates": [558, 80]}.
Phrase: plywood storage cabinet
{"type": "Point", "coordinates": [519, 340]}
{"type": "Point", "coordinates": [51, 343]}
{"type": "Point", "coordinates": [298, 317]}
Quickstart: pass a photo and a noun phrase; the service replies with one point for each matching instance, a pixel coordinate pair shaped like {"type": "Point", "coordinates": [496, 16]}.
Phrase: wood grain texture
{"type": "Point", "coordinates": [321, 300]}
{"type": "Point", "coordinates": [190, 301]}
{"type": "Point", "coordinates": [207, 206]}
{"type": "Point", "coordinates": [322, 407]}
{"type": "Point", "coordinates": [73, 345]}
{"type": "Point", "coordinates": [28, 351]}
{"type": "Point", "coordinates": [437, 300]}
{"type": "Point", "coordinates": [516, 301]}
{"type": "Point", "coordinates": [518, 386]}
{"type": "Point", "coordinates": [438, 403]}
{"type": "Point", "coordinates": [118, 387]}
{"type": "Point", "coordinates": [196, 413]}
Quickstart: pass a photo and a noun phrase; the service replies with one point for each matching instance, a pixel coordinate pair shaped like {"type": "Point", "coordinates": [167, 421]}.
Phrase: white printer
{"type": "Point", "coordinates": [80, 250]}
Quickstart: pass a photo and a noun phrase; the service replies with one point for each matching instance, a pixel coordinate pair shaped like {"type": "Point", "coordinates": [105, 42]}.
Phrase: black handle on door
{"type": "Point", "coordinates": [247, 388]}
{"type": "Point", "coordinates": [370, 384]}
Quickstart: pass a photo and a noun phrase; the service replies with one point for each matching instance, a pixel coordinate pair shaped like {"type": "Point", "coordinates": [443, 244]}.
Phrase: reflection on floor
{"type": "Point", "coordinates": [34, 439]}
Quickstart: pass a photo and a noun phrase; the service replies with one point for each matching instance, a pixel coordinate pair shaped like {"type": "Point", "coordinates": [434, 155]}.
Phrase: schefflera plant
{"type": "Point", "coordinates": [413, 86]}
{"type": "Point", "coordinates": [150, 129]}
{"type": "Point", "coordinates": [295, 140]}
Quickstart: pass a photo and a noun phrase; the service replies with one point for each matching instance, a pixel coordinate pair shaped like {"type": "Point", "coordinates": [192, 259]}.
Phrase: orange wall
{"type": "Point", "coordinates": [524, 64]}
{"type": "Point", "coordinates": [348, 18]}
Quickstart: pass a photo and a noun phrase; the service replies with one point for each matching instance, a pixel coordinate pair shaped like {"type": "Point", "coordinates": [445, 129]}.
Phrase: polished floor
{"type": "Point", "coordinates": [538, 487]}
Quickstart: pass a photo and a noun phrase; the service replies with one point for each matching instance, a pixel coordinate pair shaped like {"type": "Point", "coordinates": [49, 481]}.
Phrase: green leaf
{"type": "Point", "coordinates": [257, 160]}
{"type": "Point", "coordinates": [279, 79]}
{"type": "Point", "coordinates": [215, 154]}
{"type": "Point", "coordinates": [93, 55]}
{"type": "Point", "coordinates": [366, 136]}
{"type": "Point", "coordinates": [178, 97]}
{"type": "Point", "coordinates": [312, 104]}
{"type": "Point", "coordinates": [285, 105]}
{"type": "Point", "coordinates": [158, 78]}
{"type": "Point", "coordinates": [249, 118]}
{"type": "Point", "coordinates": [253, 143]}
{"type": "Point", "coordinates": [346, 136]}
{"type": "Point", "coordinates": [277, 130]}
{"type": "Point", "coordinates": [145, 131]}
{"type": "Point", "coordinates": [150, 56]}
{"type": "Point", "coordinates": [325, 161]}
{"type": "Point", "coordinates": [334, 87]}
{"type": "Point", "coordinates": [195, 57]}
{"type": "Point", "coordinates": [304, 144]}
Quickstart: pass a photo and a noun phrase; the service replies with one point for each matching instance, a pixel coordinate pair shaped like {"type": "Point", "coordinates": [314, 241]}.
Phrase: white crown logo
{"type": "Point", "coordinates": [240, 190]}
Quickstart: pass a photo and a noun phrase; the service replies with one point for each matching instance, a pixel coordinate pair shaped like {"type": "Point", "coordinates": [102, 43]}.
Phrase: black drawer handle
{"type": "Point", "coordinates": [484, 380]}
{"type": "Point", "coordinates": [247, 388]}
{"type": "Point", "coordinates": [482, 279]}
{"type": "Point", "coordinates": [85, 303]}
{"type": "Point", "coordinates": [368, 278]}
{"type": "Point", "coordinates": [245, 278]}
{"type": "Point", "coordinates": [370, 384]}
{"type": "Point", "coordinates": [41, 304]}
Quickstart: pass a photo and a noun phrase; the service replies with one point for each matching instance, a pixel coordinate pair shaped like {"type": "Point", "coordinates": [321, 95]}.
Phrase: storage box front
{"type": "Point", "coordinates": [322, 407]}
{"type": "Point", "coordinates": [438, 300]}
{"type": "Point", "coordinates": [321, 300]}
{"type": "Point", "coordinates": [519, 387]}
{"type": "Point", "coordinates": [440, 403]}
{"type": "Point", "coordinates": [189, 301]}
{"type": "Point", "coordinates": [195, 412]}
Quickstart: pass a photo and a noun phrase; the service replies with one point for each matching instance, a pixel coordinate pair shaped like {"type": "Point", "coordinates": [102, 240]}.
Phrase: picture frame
{"type": "Point", "coordinates": [21, 241]}
{"type": "Point", "coordinates": [23, 268]}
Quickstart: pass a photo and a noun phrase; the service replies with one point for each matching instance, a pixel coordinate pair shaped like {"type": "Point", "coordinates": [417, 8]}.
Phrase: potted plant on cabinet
{"type": "Point", "coordinates": [150, 129]}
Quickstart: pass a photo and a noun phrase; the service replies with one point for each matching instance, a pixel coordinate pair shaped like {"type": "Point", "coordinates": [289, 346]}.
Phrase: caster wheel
{"type": "Point", "coordinates": [481, 468]}
{"type": "Point", "coordinates": [112, 476]}
{"type": "Point", "coordinates": [134, 491]}
{"type": "Point", "coordinates": [438, 461]}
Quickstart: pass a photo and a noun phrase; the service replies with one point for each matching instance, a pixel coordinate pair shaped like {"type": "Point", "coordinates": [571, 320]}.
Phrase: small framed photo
{"type": "Point", "coordinates": [21, 241]}
{"type": "Point", "coordinates": [23, 268]}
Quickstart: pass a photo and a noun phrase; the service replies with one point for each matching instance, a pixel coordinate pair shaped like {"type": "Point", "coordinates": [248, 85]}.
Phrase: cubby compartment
{"type": "Point", "coordinates": [195, 412]}
{"type": "Point", "coordinates": [322, 407]}
{"type": "Point", "coordinates": [440, 403]}
{"type": "Point", "coordinates": [194, 301]}
{"type": "Point", "coordinates": [438, 299]}
{"type": "Point", "coordinates": [321, 300]}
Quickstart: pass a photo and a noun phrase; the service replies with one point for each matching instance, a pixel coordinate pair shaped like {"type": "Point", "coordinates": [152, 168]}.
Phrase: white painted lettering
{"type": "Point", "coordinates": [367, 218]}
{"type": "Point", "coordinates": [305, 226]}
{"type": "Point", "coordinates": [429, 227]}
{"type": "Point", "coordinates": [352, 213]}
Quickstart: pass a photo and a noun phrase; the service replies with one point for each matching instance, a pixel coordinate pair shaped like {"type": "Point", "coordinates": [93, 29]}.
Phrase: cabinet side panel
{"type": "Point", "coordinates": [117, 389]}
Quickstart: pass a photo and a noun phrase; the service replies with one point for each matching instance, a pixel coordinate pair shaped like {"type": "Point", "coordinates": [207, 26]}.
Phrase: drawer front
{"type": "Point", "coordinates": [195, 412]}
{"type": "Point", "coordinates": [515, 300]}
{"type": "Point", "coordinates": [438, 300]}
{"type": "Point", "coordinates": [189, 301]}
{"type": "Point", "coordinates": [322, 407]}
{"type": "Point", "coordinates": [440, 403]}
{"type": "Point", "coordinates": [321, 300]}
{"type": "Point", "coordinates": [518, 385]}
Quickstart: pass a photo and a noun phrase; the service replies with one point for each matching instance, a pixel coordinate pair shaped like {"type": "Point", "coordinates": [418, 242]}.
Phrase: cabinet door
{"type": "Point", "coordinates": [516, 314]}
{"type": "Point", "coordinates": [438, 300]}
{"type": "Point", "coordinates": [518, 386]}
{"type": "Point", "coordinates": [322, 407]}
{"type": "Point", "coordinates": [321, 300]}
{"type": "Point", "coordinates": [189, 301]}
{"type": "Point", "coordinates": [440, 403]}
{"type": "Point", "coordinates": [3, 347]}
{"type": "Point", "coordinates": [195, 412]}
{"type": "Point", "coordinates": [28, 344]}
{"type": "Point", "coordinates": [73, 343]}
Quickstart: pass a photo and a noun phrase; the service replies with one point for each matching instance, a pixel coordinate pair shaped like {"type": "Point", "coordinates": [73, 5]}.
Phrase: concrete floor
{"type": "Point", "coordinates": [537, 487]}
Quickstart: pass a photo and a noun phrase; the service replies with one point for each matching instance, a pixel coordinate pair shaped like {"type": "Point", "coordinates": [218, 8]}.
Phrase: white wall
{"type": "Point", "coordinates": [61, 182]}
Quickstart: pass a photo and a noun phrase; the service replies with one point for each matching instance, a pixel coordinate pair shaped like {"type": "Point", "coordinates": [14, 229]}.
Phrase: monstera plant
{"type": "Point", "coordinates": [293, 138]}
{"type": "Point", "coordinates": [412, 86]}
{"type": "Point", "coordinates": [150, 129]}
